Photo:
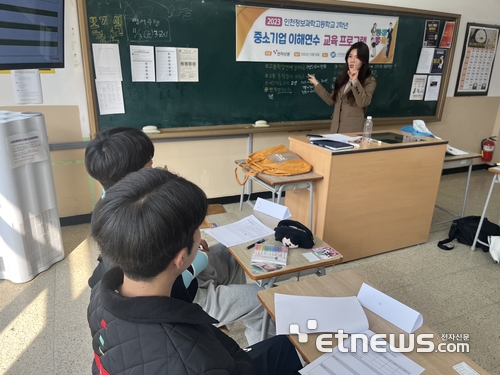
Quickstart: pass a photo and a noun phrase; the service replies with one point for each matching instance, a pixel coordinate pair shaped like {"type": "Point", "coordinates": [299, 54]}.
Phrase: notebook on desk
{"type": "Point", "coordinates": [332, 145]}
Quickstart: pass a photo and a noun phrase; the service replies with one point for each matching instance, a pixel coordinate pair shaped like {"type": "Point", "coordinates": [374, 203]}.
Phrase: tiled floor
{"type": "Point", "coordinates": [43, 328]}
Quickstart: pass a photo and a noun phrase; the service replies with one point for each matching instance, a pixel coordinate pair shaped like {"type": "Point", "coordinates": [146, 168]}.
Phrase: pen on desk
{"type": "Point", "coordinates": [252, 245]}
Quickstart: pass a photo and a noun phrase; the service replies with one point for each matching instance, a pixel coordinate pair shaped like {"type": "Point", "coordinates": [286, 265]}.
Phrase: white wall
{"type": "Point", "coordinates": [66, 86]}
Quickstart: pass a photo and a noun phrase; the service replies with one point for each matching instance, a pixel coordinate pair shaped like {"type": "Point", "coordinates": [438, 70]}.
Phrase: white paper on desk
{"type": "Point", "coordinates": [272, 209]}
{"type": "Point", "coordinates": [360, 363]}
{"type": "Point", "coordinates": [336, 137]}
{"type": "Point", "coordinates": [330, 313]}
{"type": "Point", "coordinates": [454, 151]}
{"type": "Point", "coordinates": [390, 309]}
{"type": "Point", "coordinates": [245, 230]}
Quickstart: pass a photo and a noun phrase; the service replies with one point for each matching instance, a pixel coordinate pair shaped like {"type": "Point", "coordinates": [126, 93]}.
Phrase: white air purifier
{"type": "Point", "coordinates": [30, 232]}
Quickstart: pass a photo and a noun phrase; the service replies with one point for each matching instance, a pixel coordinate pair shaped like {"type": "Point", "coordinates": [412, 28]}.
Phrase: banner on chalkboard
{"type": "Point", "coordinates": [288, 35]}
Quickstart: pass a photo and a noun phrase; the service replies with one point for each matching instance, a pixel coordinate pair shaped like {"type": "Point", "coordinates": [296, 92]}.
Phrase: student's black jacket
{"type": "Point", "coordinates": [157, 335]}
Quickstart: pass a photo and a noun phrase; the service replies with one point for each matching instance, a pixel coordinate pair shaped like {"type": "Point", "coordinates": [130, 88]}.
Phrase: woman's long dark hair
{"type": "Point", "coordinates": [364, 71]}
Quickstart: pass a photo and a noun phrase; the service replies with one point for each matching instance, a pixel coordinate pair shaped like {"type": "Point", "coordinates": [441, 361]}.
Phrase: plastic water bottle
{"type": "Point", "coordinates": [367, 130]}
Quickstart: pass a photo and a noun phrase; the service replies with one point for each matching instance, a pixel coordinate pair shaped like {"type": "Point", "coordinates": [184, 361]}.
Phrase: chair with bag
{"type": "Point", "coordinates": [277, 169]}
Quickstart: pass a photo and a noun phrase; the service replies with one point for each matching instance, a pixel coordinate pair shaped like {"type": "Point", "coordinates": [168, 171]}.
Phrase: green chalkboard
{"type": "Point", "coordinates": [230, 92]}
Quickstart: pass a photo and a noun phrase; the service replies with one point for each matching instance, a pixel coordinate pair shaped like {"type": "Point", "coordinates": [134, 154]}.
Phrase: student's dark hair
{"type": "Point", "coordinates": [146, 219]}
{"type": "Point", "coordinates": [116, 152]}
{"type": "Point", "coordinates": [364, 72]}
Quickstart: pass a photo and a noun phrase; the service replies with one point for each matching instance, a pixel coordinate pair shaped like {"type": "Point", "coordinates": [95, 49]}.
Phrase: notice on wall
{"type": "Point", "coordinates": [431, 33]}
{"type": "Point", "coordinates": [438, 60]}
{"type": "Point", "coordinates": [432, 90]}
{"type": "Point", "coordinates": [187, 64]}
{"type": "Point", "coordinates": [109, 97]}
{"type": "Point", "coordinates": [142, 63]}
{"type": "Point", "coordinates": [108, 82]}
{"type": "Point", "coordinates": [107, 62]}
{"type": "Point", "coordinates": [447, 37]}
{"type": "Point", "coordinates": [425, 60]}
{"type": "Point", "coordinates": [27, 86]}
{"type": "Point", "coordinates": [26, 148]}
{"type": "Point", "coordinates": [166, 64]}
{"type": "Point", "coordinates": [418, 87]}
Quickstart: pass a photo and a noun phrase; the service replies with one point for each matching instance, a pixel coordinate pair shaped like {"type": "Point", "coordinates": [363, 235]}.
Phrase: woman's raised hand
{"type": "Point", "coordinates": [312, 79]}
{"type": "Point", "coordinates": [353, 74]}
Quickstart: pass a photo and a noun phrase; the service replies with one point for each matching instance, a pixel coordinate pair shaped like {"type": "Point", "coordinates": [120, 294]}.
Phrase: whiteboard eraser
{"type": "Point", "coordinates": [151, 129]}
{"type": "Point", "coordinates": [261, 124]}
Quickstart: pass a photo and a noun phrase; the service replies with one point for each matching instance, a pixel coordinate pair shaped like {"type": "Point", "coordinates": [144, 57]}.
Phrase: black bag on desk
{"type": "Point", "coordinates": [464, 230]}
{"type": "Point", "coordinates": [294, 234]}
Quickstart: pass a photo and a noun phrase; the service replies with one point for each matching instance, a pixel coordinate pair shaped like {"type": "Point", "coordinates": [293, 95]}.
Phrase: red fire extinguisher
{"type": "Point", "coordinates": [487, 148]}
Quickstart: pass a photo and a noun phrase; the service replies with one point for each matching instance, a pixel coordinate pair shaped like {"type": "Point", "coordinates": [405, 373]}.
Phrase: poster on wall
{"type": "Point", "coordinates": [432, 89]}
{"type": "Point", "coordinates": [438, 60]}
{"type": "Point", "coordinates": [298, 36]}
{"type": "Point", "coordinates": [478, 56]}
{"type": "Point", "coordinates": [418, 87]}
{"type": "Point", "coordinates": [447, 36]}
{"type": "Point", "coordinates": [431, 33]}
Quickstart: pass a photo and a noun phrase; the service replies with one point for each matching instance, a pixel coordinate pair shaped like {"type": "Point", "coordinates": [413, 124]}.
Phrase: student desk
{"type": "Point", "coordinates": [348, 283]}
{"type": "Point", "coordinates": [375, 198]}
{"type": "Point", "coordinates": [457, 161]}
{"type": "Point", "coordinates": [297, 264]}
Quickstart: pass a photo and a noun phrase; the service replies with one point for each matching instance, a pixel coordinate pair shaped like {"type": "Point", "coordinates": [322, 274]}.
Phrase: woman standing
{"type": "Point", "coordinates": [352, 93]}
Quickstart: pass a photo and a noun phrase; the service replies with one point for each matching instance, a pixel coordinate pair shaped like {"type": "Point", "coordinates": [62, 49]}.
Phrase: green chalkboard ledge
{"type": "Point", "coordinates": [290, 126]}
{"type": "Point", "coordinates": [239, 129]}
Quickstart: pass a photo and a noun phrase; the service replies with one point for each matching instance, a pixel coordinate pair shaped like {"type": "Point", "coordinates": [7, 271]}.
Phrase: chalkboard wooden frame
{"type": "Point", "coordinates": [228, 129]}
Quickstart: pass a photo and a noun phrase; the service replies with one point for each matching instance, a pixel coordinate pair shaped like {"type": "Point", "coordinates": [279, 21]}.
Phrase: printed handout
{"type": "Point", "coordinates": [107, 62]}
{"type": "Point", "coordinates": [142, 63]}
{"type": "Point", "coordinates": [433, 86]}
{"type": "Point", "coordinates": [425, 60]}
{"type": "Point", "coordinates": [245, 230]}
{"type": "Point", "coordinates": [418, 87]}
{"type": "Point", "coordinates": [357, 362]}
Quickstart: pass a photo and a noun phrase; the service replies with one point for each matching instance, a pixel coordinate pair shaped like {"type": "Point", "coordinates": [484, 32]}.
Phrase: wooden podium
{"type": "Point", "coordinates": [375, 198]}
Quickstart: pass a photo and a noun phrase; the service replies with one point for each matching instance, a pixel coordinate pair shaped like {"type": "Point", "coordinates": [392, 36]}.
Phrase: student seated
{"type": "Point", "coordinates": [221, 288]}
{"type": "Point", "coordinates": [148, 225]}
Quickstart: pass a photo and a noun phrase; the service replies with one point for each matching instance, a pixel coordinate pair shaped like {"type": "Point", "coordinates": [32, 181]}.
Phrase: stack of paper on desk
{"type": "Point", "coordinates": [245, 230]}
{"type": "Point", "coordinates": [360, 362]}
{"type": "Point", "coordinates": [330, 313]}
